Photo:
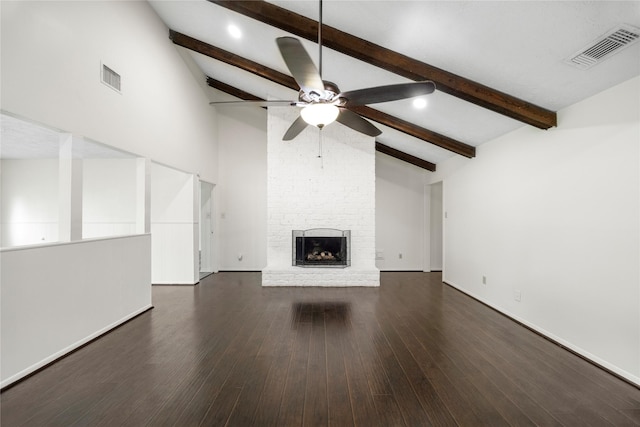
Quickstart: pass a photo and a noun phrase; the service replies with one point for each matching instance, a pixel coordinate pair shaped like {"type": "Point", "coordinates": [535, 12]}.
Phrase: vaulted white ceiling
{"type": "Point", "coordinates": [516, 47]}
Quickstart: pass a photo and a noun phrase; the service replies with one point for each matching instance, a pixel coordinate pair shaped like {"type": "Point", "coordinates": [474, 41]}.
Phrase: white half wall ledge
{"type": "Point", "coordinates": [175, 284]}
{"type": "Point", "coordinates": [102, 282]}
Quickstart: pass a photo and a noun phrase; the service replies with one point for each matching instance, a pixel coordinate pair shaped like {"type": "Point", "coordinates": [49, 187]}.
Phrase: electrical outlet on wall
{"type": "Point", "coordinates": [400, 256]}
{"type": "Point", "coordinates": [517, 295]}
{"type": "Point", "coordinates": [484, 280]}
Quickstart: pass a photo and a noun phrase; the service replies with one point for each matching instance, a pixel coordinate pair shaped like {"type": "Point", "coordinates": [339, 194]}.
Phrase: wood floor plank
{"type": "Point", "coordinates": [501, 374]}
{"type": "Point", "coordinates": [456, 406]}
{"type": "Point", "coordinates": [316, 405]}
{"type": "Point", "coordinates": [218, 358]}
{"type": "Point", "coordinates": [257, 371]}
{"type": "Point", "coordinates": [429, 397]}
{"type": "Point", "coordinates": [413, 352]}
{"type": "Point", "coordinates": [497, 404]}
{"type": "Point", "coordinates": [245, 353]}
{"type": "Point", "coordinates": [191, 386]}
{"type": "Point", "coordinates": [374, 371]}
{"type": "Point", "coordinates": [361, 399]}
{"type": "Point", "coordinates": [291, 409]}
{"type": "Point", "coordinates": [388, 411]}
{"type": "Point", "coordinates": [270, 398]}
{"type": "Point", "coordinates": [338, 393]}
{"type": "Point", "coordinates": [410, 407]}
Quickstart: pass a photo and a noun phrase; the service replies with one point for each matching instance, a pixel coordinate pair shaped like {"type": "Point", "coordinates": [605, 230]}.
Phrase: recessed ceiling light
{"type": "Point", "coordinates": [419, 103]}
{"type": "Point", "coordinates": [234, 31]}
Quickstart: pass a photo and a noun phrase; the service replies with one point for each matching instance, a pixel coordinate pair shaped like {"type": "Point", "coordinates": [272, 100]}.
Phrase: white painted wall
{"type": "Point", "coordinates": [175, 212]}
{"type": "Point", "coordinates": [78, 291]}
{"type": "Point", "coordinates": [29, 202]}
{"type": "Point", "coordinates": [400, 213]}
{"type": "Point", "coordinates": [51, 60]}
{"type": "Point", "coordinates": [242, 193]}
{"type": "Point", "coordinates": [109, 197]}
{"type": "Point", "coordinates": [553, 216]}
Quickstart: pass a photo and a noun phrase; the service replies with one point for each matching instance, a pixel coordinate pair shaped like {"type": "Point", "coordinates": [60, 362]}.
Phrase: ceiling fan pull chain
{"type": "Point", "coordinates": [320, 148]}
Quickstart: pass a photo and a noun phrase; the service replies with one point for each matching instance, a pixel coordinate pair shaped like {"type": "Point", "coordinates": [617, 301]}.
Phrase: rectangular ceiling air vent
{"type": "Point", "coordinates": [110, 78]}
{"type": "Point", "coordinates": [610, 43]}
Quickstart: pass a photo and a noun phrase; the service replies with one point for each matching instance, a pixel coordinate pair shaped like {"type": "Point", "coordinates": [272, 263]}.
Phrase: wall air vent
{"type": "Point", "coordinates": [110, 78]}
{"type": "Point", "coordinates": [610, 43]}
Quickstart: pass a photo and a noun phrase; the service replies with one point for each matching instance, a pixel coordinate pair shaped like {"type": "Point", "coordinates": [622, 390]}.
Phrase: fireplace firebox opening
{"type": "Point", "coordinates": [321, 247]}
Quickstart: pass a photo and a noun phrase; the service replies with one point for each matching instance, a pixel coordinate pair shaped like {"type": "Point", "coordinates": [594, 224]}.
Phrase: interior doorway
{"type": "Point", "coordinates": [437, 226]}
{"type": "Point", "coordinates": [206, 229]}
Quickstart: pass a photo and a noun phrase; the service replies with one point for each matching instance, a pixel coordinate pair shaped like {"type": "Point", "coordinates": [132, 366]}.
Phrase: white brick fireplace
{"type": "Point", "coordinates": [305, 192]}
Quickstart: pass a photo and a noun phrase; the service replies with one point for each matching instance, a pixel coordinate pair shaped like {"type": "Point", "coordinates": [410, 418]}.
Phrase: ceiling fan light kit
{"type": "Point", "coordinates": [320, 115]}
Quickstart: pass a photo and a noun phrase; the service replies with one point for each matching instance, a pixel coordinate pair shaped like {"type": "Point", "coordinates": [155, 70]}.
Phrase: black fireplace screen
{"type": "Point", "coordinates": [321, 247]}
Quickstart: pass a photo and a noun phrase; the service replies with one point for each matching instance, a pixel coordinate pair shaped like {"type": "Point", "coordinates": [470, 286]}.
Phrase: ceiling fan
{"type": "Point", "coordinates": [321, 101]}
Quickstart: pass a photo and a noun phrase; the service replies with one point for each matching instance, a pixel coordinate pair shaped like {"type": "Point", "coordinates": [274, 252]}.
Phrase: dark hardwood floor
{"type": "Point", "coordinates": [414, 352]}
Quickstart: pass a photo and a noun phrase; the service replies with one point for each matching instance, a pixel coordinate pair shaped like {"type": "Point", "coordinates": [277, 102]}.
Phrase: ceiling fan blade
{"type": "Point", "coordinates": [388, 93]}
{"type": "Point", "coordinates": [255, 103]}
{"type": "Point", "coordinates": [294, 130]}
{"type": "Point", "coordinates": [300, 64]}
{"type": "Point", "coordinates": [357, 123]}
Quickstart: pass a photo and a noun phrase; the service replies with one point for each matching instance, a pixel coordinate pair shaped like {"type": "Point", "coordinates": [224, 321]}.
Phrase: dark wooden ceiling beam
{"type": "Point", "coordinates": [404, 126]}
{"type": "Point", "coordinates": [232, 90]}
{"type": "Point", "coordinates": [395, 62]}
{"type": "Point", "coordinates": [400, 155]}
{"type": "Point", "coordinates": [232, 59]}
{"type": "Point", "coordinates": [288, 81]}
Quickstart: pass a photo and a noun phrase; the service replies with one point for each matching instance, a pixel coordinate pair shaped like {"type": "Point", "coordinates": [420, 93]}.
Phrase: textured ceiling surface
{"type": "Point", "coordinates": [516, 47]}
{"type": "Point", "coordinates": [20, 139]}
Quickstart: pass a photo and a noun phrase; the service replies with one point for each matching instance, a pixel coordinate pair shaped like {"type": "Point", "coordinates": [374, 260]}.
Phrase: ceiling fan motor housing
{"type": "Point", "coordinates": [329, 94]}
